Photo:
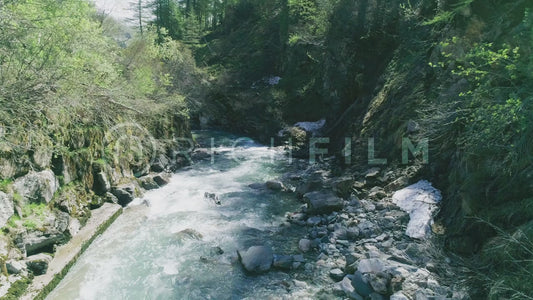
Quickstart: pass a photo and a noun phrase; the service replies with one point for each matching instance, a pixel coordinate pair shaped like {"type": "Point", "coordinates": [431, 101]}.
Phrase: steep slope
{"type": "Point", "coordinates": [453, 72]}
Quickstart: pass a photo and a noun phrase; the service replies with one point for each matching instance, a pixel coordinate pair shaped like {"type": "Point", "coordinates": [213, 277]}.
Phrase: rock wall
{"type": "Point", "coordinates": [46, 196]}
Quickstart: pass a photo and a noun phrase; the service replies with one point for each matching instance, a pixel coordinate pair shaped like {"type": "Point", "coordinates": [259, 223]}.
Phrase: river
{"type": "Point", "coordinates": [143, 256]}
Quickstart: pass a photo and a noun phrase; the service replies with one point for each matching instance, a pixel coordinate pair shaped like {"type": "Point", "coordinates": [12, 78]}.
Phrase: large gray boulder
{"type": "Point", "coordinates": [275, 185]}
{"type": "Point", "coordinates": [6, 208]}
{"type": "Point", "coordinates": [257, 259]}
{"type": "Point", "coordinates": [125, 193]}
{"type": "Point", "coordinates": [323, 202]}
{"type": "Point", "coordinates": [38, 264]}
{"type": "Point", "coordinates": [43, 240]}
{"type": "Point", "coordinates": [421, 201]}
{"type": "Point", "coordinates": [37, 187]}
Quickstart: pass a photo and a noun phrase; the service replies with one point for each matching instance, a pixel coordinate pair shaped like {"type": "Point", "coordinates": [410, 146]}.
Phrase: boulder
{"type": "Point", "coordinates": [380, 282]}
{"type": "Point", "coordinates": [212, 197]}
{"type": "Point", "coordinates": [304, 245]}
{"type": "Point", "coordinates": [124, 194]}
{"type": "Point", "coordinates": [274, 185]}
{"type": "Point", "coordinates": [160, 163]}
{"type": "Point", "coordinates": [257, 259]}
{"type": "Point", "coordinates": [398, 296]}
{"type": "Point", "coordinates": [74, 226]}
{"type": "Point", "coordinates": [108, 197]}
{"type": "Point", "coordinates": [148, 183]}
{"type": "Point", "coordinates": [15, 266]}
{"type": "Point", "coordinates": [314, 183]}
{"type": "Point", "coordinates": [361, 284]}
{"type": "Point", "coordinates": [188, 234]}
{"type": "Point", "coordinates": [38, 264]}
{"type": "Point", "coordinates": [162, 178]}
{"type": "Point", "coordinates": [201, 154]}
{"type": "Point", "coordinates": [6, 208]}
{"type": "Point", "coordinates": [37, 187]}
{"type": "Point", "coordinates": [101, 183]}
{"type": "Point", "coordinates": [348, 289]}
{"type": "Point", "coordinates": [371, 265]}
{"type": "Point", "coordinates": [257, 186]}
{"type": "Point", "coordinates": [323, 202]}
{"type": "Point", "coordinates": [336, 274]}
{"type": "Point", "coordinates": [43, 240]}
{"type": "Point", "coordinates": [216, 251]}
{"type": "Point", "coordinates": [368, 229]}
{"type": "Point", "coordinates": [420, 200]}
{"type": "Point", "coordinates": [343, 186]}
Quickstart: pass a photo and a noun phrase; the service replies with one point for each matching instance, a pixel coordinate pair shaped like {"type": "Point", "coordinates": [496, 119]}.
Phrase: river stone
{"type": "Point", "coordinates": [380, 282]}
{"type": "Point", "coordinates": [336, 274]}
{"type": "Point", "coordinates": [160, 163]}
{"type": "Point", "coordinates": [38, 263]}
{"type": "Point", "coordinates": [323, 202]}
{"type": "Point", "coordinates": [420, 201]}
{"type": "Point", "coordinates": [372, 173]}
{"type": "Point", "coordinates": [304, 245]}
{"type": "Point", "coordinates": [37, 187]}
{"type": "Point", "coordinates": [314, 221]}
{"type": "Point", "coordinates": [148, 183]}
{"type": "Point", "coordinates": [188, 234]}
{"type": "Point", "coordinates": [398, 296]}
{"type": "Point", "coordinates": [348, 289]}
{"type": "Point", "coordinates": [361, 284]}
{"type": "Point", "coordinates": [343, 186]}
{"type": "Point", "coordinates": [257, 186]}
{"type": "Point", "coordinates": [371, 265]}
{"type": "Point", "coordinates": [162, 178]}
{"type": "Point", "coordinates": [201, 154]}
{"type": "Point", "coordinates": [275, 185]}
{"type": "Point", "coordinates": [6, 208]}
{"type": "Point", "coordinates": [283, 262]}
{"type": "Point", "coordinates": [124, 194]}
{"type": "Point", "coordinates": [376, 296]}
{"type": "Point", "coordinates": [257, 259]}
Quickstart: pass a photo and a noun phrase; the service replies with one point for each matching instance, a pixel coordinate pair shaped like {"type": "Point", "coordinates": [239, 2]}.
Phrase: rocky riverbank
{"type": "Point", "coordinates": [56, 203]}
{"type": "Point", "coordinates": [371, 235]}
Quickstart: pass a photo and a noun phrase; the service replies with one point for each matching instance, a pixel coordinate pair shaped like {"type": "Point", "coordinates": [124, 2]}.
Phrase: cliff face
{"type": "Point", "coordinates": [453, 72]}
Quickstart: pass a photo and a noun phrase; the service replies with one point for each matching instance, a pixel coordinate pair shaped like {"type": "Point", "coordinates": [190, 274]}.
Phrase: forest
{"type": "Point", "coordinates": [456, 73]}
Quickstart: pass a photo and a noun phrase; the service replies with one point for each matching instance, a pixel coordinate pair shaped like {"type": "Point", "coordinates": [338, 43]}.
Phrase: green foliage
{"type": "Point", "coordinates": [13, 221]}
{"type": "Point", "coordinates": [447, 16]}
{"type": "Point", "coordinates": [4, 185]}
{"type": "Point", "coordinates": [35, 209]}
{"type": "Point", "coordinates": [17, 289]}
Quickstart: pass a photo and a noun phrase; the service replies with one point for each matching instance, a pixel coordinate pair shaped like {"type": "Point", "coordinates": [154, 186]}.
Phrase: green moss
{"type": "Point", "coordinates": [17, 289]}
{"type": "Point", "coordinates": [5, 184]}
{"type": "Point", "coordinates": [29, 224]}
{"type": "Point", "coordinates": [17, 198]}
{"type": "Point", "coordinates": [37, 209]}
{"type": "Point", "coordinates": [13, 221]}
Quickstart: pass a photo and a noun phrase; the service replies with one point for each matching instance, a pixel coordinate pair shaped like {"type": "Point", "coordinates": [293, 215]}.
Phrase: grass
{"type": "Point", "coordinates": [5, 184]}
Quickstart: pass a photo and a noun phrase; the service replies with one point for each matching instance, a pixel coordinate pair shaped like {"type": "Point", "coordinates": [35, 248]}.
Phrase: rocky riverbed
{"type": "Point", "coordinates": [370, 235]}
{"type": "Point", "coordinates": [269, 227]}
